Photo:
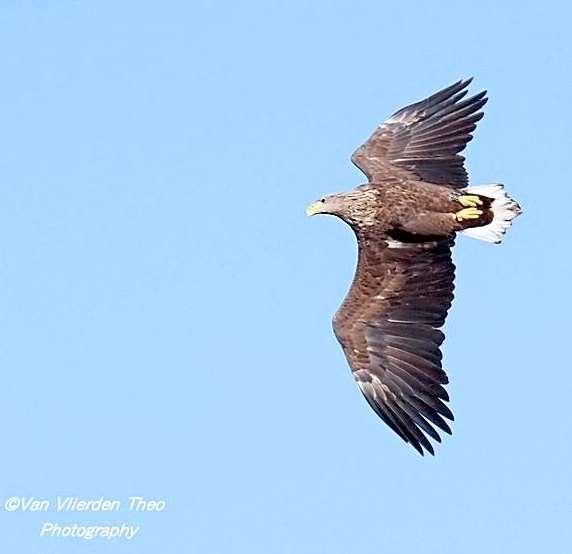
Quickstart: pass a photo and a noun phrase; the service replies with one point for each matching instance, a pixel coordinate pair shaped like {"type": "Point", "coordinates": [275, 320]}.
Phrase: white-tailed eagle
{"type": "Point", "coordinates": [405, 219]}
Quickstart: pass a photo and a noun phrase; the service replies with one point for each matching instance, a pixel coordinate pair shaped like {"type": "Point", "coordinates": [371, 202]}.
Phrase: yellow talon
{"type": "Point", "coordinates": [468, 213]}
{"type": "Point", "coordinates": [470, 201]}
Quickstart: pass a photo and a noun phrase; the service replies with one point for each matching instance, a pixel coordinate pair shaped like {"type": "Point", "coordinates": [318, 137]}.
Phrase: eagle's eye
{"type": "Point", "coordinates": [323, 200]}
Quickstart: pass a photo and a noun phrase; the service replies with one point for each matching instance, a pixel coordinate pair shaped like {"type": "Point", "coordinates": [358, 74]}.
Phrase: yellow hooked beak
{"type": "Point", "coordinates": [314, 208]}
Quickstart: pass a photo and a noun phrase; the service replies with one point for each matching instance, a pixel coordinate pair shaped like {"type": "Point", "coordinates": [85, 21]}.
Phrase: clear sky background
{"type": "Point", "coordinates": [165, 304]}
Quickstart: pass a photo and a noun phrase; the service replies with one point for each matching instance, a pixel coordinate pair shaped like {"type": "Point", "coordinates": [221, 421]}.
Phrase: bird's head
{"type": "Point", "coordinates": [356, 207]}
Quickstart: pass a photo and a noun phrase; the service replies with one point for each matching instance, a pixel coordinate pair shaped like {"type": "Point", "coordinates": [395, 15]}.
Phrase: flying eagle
{"type": "Point", "coordinates": [405, 219]}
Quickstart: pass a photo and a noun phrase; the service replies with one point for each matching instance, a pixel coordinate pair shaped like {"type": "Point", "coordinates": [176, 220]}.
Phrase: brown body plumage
{"type": "Point", "coordinates": [405, 220]}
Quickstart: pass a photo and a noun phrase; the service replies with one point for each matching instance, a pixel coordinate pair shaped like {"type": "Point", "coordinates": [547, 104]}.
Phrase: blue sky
{"type": "Point", "coordinates": [166, 304]}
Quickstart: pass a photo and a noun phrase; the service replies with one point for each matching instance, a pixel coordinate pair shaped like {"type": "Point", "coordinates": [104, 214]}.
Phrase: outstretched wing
{"type": "Point", "coordinates": [424, 139]}
{"type": "Point", "coordinates": [388, 327]}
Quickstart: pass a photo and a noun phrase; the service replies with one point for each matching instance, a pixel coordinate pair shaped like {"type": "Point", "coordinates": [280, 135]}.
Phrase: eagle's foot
{"type": "Point", "coordinates": [468, 213]}
{"type": "Point", "coordinates": [469, 200]}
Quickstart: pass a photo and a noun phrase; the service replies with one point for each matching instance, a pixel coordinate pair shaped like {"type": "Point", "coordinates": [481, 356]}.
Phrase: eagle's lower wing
{"type": "Point", "coordinates": [388, 327]}
{"type": "Point", "coordinates": [424, 139]}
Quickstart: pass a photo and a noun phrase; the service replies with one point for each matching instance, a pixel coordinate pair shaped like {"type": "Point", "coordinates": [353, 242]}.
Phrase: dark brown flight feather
{"type": "Point", "coordinates": [388, 327]}
{"type": "Point", "coordinates": [425, 138]}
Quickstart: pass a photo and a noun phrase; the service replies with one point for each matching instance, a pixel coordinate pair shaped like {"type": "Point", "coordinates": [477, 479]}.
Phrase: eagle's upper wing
{"type": "Point", "coordinates": [424, 139]}
{"type": "Point", "coordinates": [388, 327]}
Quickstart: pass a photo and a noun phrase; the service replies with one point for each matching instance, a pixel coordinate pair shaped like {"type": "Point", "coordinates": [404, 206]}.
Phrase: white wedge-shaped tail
{"type": "Point", "coordinates": [504, 208]}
